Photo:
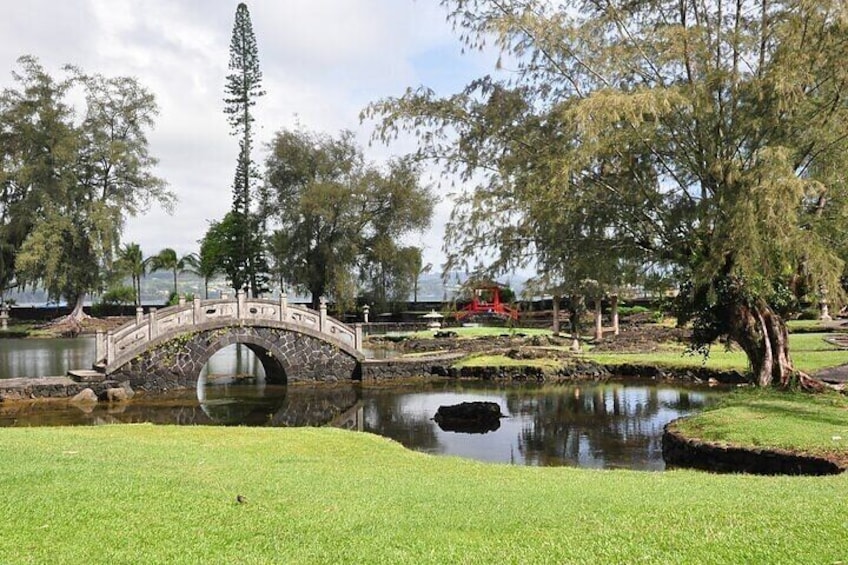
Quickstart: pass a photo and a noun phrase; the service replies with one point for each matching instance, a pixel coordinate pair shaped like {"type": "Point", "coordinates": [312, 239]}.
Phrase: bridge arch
{"type": "Point", "coordinates": [166, 350]}
{"type": "Point", "coordinates": [273, 361]}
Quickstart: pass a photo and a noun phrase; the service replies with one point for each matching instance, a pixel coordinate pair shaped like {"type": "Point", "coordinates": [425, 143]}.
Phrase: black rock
{"type": "Point", "coordinates": [469, 417]}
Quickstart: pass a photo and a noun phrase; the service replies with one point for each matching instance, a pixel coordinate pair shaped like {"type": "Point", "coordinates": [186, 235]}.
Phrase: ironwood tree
{"type": "Point", "coordinates": [71, 176]}
{"type": "Point", "coordinates": [332, 211]}
{"type": "Point", "coordinates": [713, 134]}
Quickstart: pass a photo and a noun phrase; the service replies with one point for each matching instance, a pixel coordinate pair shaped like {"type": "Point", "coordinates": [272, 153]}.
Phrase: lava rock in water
{"type": "Point", "coordinates": [469, 417]}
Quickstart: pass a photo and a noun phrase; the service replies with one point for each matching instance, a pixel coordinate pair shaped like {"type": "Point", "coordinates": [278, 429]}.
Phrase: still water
{"type": "Point", "coordinates": [597, 425]}
{"type": "Point", "coordinates": [44, 357]}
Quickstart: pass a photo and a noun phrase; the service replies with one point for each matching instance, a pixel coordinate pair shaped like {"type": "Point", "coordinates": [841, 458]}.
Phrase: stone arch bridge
{"type": "Point", "coordinates": [166, 349]}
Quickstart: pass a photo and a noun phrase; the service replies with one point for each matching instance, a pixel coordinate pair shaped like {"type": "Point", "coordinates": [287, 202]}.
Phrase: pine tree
{"type": "Point", "coordinates": [243, 87]}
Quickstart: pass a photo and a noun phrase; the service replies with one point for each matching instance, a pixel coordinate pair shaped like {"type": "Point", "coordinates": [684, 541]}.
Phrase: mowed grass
{"type": "Point", "coordinates": [810, 423]}
{"type": "Point", "coordinates": [148, 494]}
{"type": "Point", "coordinates": [810, 353]}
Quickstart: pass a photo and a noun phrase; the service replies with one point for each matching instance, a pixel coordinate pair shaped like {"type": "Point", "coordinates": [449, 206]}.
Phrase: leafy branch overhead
{"type": "Point", "coordinates": [704, 141]}
{"type": "Point", "coordinates": [71, 176]}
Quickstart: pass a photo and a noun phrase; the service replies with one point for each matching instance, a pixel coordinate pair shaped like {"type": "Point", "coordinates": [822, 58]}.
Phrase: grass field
{"type": "Point", "coordinates": [810, 353]}
{"type": "Point", "coordinates": [148, 494]}
{"type": "Point", "coordinates": [812, 423]}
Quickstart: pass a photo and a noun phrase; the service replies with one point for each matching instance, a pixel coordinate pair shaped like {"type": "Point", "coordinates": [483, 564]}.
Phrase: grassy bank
{"type": "Point", "coordinates": [816, 424]}
{"type": "Point", "coordinates": [146, 494]}
{"type": "Point", "coordinates": [810, 353]}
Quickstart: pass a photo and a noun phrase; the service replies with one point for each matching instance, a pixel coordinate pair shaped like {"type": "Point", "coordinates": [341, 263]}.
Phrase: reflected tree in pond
{"type": "Point", "coordinates": [599, 429]}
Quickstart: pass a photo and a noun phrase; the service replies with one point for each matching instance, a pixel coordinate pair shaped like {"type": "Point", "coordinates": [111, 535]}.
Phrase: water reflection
{"type": "Point", "coordinates": [44, 357]}
{"type": "Point", "coordinates": [594, 425]}
{"type": "Point", "coordinates": [613, 425]}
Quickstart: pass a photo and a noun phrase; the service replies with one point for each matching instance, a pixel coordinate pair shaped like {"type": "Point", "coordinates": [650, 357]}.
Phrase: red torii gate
{"type": "Point", "coordinates": [491, 304]}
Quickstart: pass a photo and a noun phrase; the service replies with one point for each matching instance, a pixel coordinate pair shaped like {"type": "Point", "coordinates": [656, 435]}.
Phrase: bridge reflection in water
{"type": "Point", "coordinates": [611, 425]}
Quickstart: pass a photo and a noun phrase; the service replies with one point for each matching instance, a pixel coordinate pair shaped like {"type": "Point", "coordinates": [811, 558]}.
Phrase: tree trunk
{"type": "Point", "coordinates": [762, 334]}
{"type": "Point", "coordinates": [77, 314]}
{"type": "Point", "coordinates": [599, 321]}
{"type": "Point", "coordinates": [556, 315]}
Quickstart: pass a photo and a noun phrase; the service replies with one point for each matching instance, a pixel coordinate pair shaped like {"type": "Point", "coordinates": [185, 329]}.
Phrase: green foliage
{"type": "Point", "coordinates": [69, 180]}
{"type": "Point", "coordinates": [167, 260]}
{"type": "Point", "coordinates": [131, 262]}
{"type": "Point", "coordinates": [336, 212]}
{"type": "Point", "coordinates": [653, 136]}
{"type": "Point", "coordinates": [631, 310]}
{"type": "Point", "coordinates": [119, 295]}
{"type": "Point", "coordinates": [234, 247]}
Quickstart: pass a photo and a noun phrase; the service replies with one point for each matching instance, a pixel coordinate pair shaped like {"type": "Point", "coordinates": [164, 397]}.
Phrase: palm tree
{"type": "Point", "coordinates": [204, 265]}
{"type": "Point", "coordinates": [167, 260]}
{"type": "Point", "coordinates": [131, 261]}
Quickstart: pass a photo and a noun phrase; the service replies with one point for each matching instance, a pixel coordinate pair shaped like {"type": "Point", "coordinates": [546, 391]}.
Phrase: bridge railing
{"type": "Point", "coordinates": [135, 336]}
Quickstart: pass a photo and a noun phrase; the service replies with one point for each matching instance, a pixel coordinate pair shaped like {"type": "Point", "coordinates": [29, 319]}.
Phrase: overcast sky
{"type": "Point", "coordinates": [322, 61]}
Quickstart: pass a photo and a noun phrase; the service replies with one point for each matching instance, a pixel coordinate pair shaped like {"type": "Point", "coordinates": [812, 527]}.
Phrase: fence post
{"type": "Point", "coordinates": [322, 313]}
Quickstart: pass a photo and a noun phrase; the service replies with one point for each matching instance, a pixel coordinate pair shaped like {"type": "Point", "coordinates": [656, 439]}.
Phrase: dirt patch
{"type": "Point", "coordinates": [643, 339]}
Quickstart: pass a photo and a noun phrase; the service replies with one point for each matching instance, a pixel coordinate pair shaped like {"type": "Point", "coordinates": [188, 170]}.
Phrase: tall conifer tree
{"type": "Point", "coordinates": [243, 87]}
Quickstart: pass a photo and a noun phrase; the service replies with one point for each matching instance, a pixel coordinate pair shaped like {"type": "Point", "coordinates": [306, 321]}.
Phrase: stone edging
{"type": "Point", "coordinates": [680, 451]}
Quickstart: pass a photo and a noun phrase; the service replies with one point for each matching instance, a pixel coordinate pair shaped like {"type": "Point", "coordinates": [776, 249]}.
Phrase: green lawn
{"type": "Point", "coordinates": [148, 494]}
{"type": "Point", "coordinates": [813, 423]}
{"type": "Point", "coordinates": [809, 352]}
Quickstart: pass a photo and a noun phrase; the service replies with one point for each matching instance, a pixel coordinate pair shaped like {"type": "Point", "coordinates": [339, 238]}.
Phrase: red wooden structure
{"type": "Point", "coordinates": [486, 300]}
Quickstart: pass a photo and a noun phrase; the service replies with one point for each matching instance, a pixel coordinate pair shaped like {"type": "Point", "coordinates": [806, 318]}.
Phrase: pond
{"type": "Point", "coordinates": [595, 425]}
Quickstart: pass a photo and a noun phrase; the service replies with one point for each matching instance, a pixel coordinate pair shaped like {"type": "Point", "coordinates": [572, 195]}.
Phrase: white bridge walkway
{"type": "Point", "coordinates": [116, 347]}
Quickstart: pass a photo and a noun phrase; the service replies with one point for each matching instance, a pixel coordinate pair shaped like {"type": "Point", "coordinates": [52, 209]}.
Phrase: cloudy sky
{"type": "Point", "coordinates": [322, 61]}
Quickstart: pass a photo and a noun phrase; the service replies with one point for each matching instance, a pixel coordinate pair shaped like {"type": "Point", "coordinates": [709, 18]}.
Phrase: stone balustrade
{"type": "Point", "coordinates": [134, 337]}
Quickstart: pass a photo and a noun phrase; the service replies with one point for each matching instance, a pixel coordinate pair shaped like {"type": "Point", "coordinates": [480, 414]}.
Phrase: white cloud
{"type": "Point", "coordinates": [322, 60]}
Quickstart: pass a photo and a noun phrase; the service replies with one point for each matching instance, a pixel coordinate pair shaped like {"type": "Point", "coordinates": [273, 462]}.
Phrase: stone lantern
{"type": "Point", "coordinates": [433, 320]}
{"type": "Point", "coordinates": [365, 311]}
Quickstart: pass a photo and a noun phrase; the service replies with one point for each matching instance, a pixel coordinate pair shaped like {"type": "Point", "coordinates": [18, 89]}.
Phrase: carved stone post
{"type": "Point", "coordinates": [110, 347]}
{"type": "Point", "coordinates": [240, 304]}
{"type": "Point", "coordinates": [99, 346]}
{"type": "Point", "coordinates": [152, 330]}
{"type": "Point", "coordinates": [322, 313]}
{"type": "Point", "coordinates": [284, 307]}
{"type": "Point", "coordinates": [199, 315]}
{"type": "Point", "coordinates": [139, 315]}
{"type": "Point", "coordinates": [358, 336]}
